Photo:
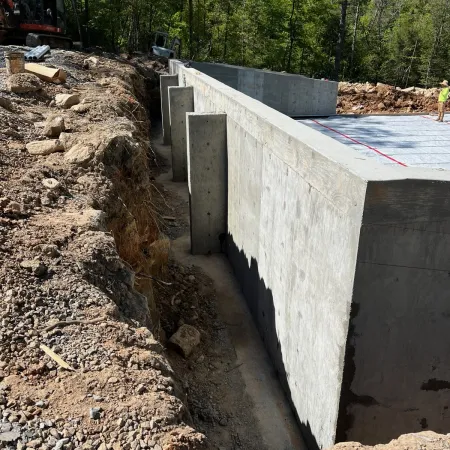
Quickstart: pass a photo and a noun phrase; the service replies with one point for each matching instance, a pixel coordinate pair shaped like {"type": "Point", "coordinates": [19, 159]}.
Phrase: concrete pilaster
{"type": "Point", "coordinates": [207, 178]}
{"type": "Point", "coordinates": [181, 101]}
{"type": "Point", "coordinates": [165, 82]}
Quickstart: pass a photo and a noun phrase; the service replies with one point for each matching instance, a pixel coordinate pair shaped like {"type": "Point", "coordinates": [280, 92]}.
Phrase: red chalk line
{"type": "Point", "coordinates": [360, 143]}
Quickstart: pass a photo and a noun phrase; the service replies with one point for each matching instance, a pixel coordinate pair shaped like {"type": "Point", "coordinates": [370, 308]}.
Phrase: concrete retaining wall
{"type": "Point", "coordinates": [343, 263]}
{"type": "Point", "coordinates": [293, 95]}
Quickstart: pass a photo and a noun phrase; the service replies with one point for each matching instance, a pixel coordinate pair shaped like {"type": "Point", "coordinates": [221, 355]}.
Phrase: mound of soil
{"type": "Point", "coordinates": [358, 98]}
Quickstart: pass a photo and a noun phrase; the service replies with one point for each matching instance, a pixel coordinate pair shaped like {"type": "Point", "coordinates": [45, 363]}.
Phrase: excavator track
{"type": "Point", "coordinates": [54, 41]}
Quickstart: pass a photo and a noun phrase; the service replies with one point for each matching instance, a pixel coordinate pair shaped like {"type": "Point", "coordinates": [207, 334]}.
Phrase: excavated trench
{"type": "Point", "coordinates": [227, 383]}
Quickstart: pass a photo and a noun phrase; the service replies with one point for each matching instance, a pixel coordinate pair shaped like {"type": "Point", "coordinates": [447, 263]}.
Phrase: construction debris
{"type": "Point", "coordinates": [37, 53]}
{"type": "Point", "coordinates": [56, 358]}
{"type": "Point", "coordinates": [49, 74]}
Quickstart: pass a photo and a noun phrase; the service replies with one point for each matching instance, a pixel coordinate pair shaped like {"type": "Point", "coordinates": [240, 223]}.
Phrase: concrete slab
{"type": "Point", "coordinates": [181, 101]}
{"type": "Point", "coordinates": [413, 141]}
{"type": "Point", "coordinates": [165, 82]}
{"type": "Point", "coordinates": [207, 180]}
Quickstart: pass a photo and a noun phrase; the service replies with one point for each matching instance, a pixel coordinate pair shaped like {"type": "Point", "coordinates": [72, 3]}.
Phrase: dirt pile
{"type": "Point", "coordinates": [358, 98]}
{"type": "Point", "coordinates": [73, 278]}
{"type": "Point", "coordinates": [426, 440]}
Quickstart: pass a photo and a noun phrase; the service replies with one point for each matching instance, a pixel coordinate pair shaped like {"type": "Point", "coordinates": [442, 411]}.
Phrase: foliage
{"type": "Point", "coordinates": [401, 42]}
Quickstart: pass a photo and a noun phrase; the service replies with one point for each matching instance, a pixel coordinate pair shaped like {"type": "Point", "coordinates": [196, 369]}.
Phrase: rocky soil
{"type": "Point", "coordinates": [75, 218]}
{"type": "Point", "coordinates": [359, 98]}
{"type": "Point", "coordinates": [426, 440]}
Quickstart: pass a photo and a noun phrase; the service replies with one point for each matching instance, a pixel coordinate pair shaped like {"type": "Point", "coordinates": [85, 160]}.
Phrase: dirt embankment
{"type": "Point", "coordinates": [75, 216]}
{"type": "Point", "coordinates": [359, 98]}
{"type": "Point", "coordinates": [426, 440]}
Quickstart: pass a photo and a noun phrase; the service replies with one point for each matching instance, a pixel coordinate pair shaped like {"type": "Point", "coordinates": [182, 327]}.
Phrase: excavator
{"type": "Point", "coordinates": [162, 46]}
{"type": "Point", "coordinates": [34, 22]}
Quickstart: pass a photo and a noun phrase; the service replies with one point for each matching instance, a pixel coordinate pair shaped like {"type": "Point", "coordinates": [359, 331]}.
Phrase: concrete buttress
{"type": "Point", "coordinates": [166, 81]}
{"type": "Point", "coordinates": [207, 176]}
{"type": "Point", "coordinates": [181, 101]}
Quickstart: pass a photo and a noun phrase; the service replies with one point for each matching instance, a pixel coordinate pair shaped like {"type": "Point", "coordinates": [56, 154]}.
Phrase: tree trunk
{"type": "Point", "coordinates": [75, 11]}
{"type": "Point", "coordinates": [408, 71]}
{"type": "Point", "coordinates": [291, 37]}
{"type": "Point", "coordinates": [86, 18]}
{"type": "Point", "coordinates": [226, 31]}
{"type": "Point", "coordinates": [191, 31]}
{"type": "Point", "coordinates": [355, 31]}
{"type": "Point", "coordinates": [341, 40]}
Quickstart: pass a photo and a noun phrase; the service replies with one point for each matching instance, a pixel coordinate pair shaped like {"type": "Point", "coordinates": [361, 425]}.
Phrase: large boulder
{"type": "Point", "coordinates": [22, 83]}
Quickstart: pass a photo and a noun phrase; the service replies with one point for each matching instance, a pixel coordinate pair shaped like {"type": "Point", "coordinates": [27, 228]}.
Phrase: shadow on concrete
{"type": "Point", "coordinates": [260, 302]}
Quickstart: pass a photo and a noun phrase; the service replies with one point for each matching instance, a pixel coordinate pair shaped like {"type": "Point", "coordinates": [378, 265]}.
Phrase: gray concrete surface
{"type": "Point", "coordinates": [207, 180]}
{"type": "Point", "coordinates": [399, 332]}
{"type": "Point", "coordinates": [293, 95]}
{"type": "Point", "coordinates": [333, 249]}
{"type": "Point", "coordinates": [181, 101]}
{"type": "Point", "coordinates": [407, 140]}
{"type": "Point", "coordinates": [165, 82]}
{"type": "Point", "coordinates": [277, 426]}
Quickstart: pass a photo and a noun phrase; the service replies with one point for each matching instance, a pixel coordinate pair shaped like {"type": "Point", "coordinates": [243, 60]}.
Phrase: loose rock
{"type": "Point", "coordinates": [54, 127]}
{"type": "Point", "coordinates": [67, 100]}
{"type": "Point", "coordinates": [37, 268]}
{"type": "Point", "coordinates": [79, 154]}
{"type": "Point", "coordinates": [51, 183]}
{"type": "Point", "coordinates": [80, 109]}
{"type": "Point", "coordinates": [9, 436]}
{"type": "Point", "coordinates": [185, 339]}
{"type": "Point", "coordinates": [44, 147]}
{"type": "Point", "coordinates": [94, 413]}
{"type": "Point", "coordinates": [22, 83]}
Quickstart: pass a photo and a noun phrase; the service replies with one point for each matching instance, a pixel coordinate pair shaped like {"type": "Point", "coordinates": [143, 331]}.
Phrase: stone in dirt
{"type": "Point", "coordinates": [22, 83]}
{"type": "Point", "coordinates": [14, 207]}
{"type": "Point", "coordinates": [37, 268]}
{"type": "Point", "coordinates": [81, 108]}
{"type": "Point", "coordinates": [79, 154]}
{"type": "Point", "coordinates": [67, 100]}
{"type": "Point", "coordinates": [51, 183]}
{"type": "Point", "coordinates": [94, 413]}
{"type": "Point", "coordinates": [44, 147]}
{"type": "Point", "coordinates": [9, 436]}
{"type": "Point", "coordinates": [60, 444]}
{"type": "Point", "coordinates": [185, 339]}
{"type": "Point", "coordinates": [6, 103]}
{"type": "Point", "coordinates": [90, 63]}
{"type": "Point", "coordinates": [54, 127]}
{"type": "Point", "coordinates": [51, 250]}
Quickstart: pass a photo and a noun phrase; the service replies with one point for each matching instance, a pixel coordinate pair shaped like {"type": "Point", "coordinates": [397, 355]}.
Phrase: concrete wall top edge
{"type": "Point", "coordinates": [252, 69]}
{"type": "Point", "coordinates": [302, 135]}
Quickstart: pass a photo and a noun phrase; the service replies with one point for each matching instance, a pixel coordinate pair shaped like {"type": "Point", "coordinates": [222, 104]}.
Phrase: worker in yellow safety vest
{"type": "Point", "coordinates": [443, 96]}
